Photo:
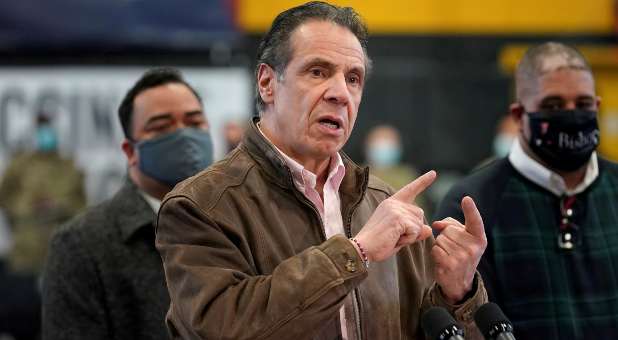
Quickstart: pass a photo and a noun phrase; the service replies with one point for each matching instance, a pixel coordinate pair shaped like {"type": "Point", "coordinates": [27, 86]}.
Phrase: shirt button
{"type": "Point", "coordinates": [350, 266]}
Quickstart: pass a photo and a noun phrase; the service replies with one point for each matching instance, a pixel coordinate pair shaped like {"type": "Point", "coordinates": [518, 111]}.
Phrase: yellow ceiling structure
{"type": "Point", "coordinates": [456, 16]}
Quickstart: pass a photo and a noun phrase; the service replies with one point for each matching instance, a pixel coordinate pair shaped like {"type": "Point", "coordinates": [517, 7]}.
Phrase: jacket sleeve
{"type": "Point", "coordinates": [72, 293]}
{"type": "Point", "coordinates": [216, 293]}
{"type": "Point", "coordinates": [463, 312]}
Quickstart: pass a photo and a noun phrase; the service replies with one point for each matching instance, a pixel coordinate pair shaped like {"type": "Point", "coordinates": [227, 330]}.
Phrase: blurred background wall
{"type": "Point", "coordinates": [442, 75]}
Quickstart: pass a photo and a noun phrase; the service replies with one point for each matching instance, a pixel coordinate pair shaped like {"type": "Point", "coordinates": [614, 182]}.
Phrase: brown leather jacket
{"type": "Point", "coordinates": [246, 257]}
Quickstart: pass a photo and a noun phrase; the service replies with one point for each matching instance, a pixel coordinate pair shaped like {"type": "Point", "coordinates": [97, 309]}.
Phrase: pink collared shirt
{"type": "Point", "coordinates": [329, 208]}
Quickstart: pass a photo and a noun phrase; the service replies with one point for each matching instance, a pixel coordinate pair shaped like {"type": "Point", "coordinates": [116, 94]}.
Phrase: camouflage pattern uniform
{"type": "Point", "coordinates": [39, 191]}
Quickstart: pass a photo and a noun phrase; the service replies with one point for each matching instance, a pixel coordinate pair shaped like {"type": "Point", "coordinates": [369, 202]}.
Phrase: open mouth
{"type": "Point", "coordinates": [329, 123]}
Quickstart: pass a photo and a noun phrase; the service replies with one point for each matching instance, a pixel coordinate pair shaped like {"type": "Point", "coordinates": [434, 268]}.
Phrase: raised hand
{"type": "Point", "coordinates": [396, 222]}
{"type": "Point", "coordinates": [458, 250]}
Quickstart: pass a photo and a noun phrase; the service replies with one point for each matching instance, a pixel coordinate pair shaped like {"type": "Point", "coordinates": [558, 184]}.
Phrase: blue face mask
{"type": "Point", "coordinates": [175, 156]}
{"type": "Point", "coordinates": [46, 138]}
{"type": "Point", "coordinates": [384, 155]}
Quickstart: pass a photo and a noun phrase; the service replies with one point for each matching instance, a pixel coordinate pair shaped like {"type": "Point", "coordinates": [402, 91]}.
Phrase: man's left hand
{"type": "Point", "coordinates": [457, 251]}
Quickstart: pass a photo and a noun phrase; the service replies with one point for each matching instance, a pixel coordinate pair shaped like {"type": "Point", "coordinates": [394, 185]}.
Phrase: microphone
{"type": "Point", "coordinates": [493, 323]}
{"type": "Point", "coordinates": [440, 325]}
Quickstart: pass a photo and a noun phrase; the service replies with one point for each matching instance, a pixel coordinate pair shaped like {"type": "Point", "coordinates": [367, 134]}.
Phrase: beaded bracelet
{"type": "Point", "coordinates": [363, 254]}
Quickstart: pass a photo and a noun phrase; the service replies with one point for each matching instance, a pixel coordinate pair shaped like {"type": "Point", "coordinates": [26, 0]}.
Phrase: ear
{"type": "Point", "coordinates": [266, 78]}
{"type": "Point", "coordinates": [130, 152]}
{"type": "Point", "coordinates": [516, 110]}
{"type": "Point", "coordinates": [598, 102]}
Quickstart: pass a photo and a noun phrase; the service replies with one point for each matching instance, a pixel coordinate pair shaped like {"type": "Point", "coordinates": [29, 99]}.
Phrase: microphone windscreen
{"type": "Point", "coordinates": [489, 315]}
{"type": "Point", "coordinates": [435, 320]}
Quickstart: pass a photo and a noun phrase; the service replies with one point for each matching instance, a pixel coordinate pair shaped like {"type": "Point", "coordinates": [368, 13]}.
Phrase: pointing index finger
{"type": "Point", "coordinates": [409, 193]}
{"type": "Point", "coordinates": [474, 221]}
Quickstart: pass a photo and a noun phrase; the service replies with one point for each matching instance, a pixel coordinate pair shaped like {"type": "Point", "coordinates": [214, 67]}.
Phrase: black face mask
{"type": "Point", "coordinates": [564, 139]}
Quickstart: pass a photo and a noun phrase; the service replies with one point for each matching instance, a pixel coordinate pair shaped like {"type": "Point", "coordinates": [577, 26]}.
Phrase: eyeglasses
{"type": "Point", "coordinates": [569, 236]}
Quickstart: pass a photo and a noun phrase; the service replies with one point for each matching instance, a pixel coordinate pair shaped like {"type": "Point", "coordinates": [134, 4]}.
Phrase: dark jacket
{"type": "Point", "coordinates": [20, 305]}
{"type": "Point", "coordinates": [547, 292]}
{"type": "Point", "coordinates": [104, 278]}
{"type": "Point", "coordinates": [246, 257]}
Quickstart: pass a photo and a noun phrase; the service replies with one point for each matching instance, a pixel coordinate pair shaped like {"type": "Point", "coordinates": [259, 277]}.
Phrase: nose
{"type": "Point", "coordinates": [338, 92]}
{"type": "Point", "coordinates": [570, 105]}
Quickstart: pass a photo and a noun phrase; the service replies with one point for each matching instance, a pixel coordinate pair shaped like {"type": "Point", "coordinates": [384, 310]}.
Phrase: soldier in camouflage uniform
{"type": "Point", "coordinates": [38, 192]}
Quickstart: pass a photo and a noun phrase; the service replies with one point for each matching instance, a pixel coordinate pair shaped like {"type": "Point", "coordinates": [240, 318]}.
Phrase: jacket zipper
{"type": "Point", "coordinates": [348, 231]}
{"type": "Point", "coordinates": [356, 292]}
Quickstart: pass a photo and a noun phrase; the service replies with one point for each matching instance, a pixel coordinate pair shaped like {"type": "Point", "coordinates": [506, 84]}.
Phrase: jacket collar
{"type": "Point", "coordinates": [263, 152]}
{"type": "Point", "coordinates": [267, 157]}
{"type": "Point", "coordinates": [132, 211]}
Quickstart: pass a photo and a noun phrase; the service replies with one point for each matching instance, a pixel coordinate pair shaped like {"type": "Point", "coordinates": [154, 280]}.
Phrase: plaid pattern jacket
{"type": "Point", "coordinates": [547, 292]}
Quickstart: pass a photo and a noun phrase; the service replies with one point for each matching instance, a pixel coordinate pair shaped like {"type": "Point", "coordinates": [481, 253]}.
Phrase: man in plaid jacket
{"type": "Point", "coordinates": [550, 207]}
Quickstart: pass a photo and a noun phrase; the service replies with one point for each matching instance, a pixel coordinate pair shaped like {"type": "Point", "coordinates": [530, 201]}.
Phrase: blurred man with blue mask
{"type": "Point", "coordinates": [46, 135]}
{"type": "Point", "coordinates": [550, 206]}
{"type": "Point", "coordinates": [383, 152]}
{"type": "Point", "coordinates": [383, 147]}
{"type": "Point", "coordinates": [104, 278]}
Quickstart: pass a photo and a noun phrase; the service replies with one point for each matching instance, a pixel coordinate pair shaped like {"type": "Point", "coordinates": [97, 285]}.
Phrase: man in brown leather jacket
{"type": "Point", "coordinates": [287, 238]}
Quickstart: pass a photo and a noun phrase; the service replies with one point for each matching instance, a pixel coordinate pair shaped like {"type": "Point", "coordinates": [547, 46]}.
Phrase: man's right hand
{"type": "Point", "coordinates": [396, 222]}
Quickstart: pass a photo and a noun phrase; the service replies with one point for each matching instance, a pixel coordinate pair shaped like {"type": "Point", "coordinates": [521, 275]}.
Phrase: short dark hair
{"type": "Point", "coordinates": [274, 49]}
{"type": "Point", "coordinates": [531, 65]}
{"type": "Point", "coordinates": [152, 78]}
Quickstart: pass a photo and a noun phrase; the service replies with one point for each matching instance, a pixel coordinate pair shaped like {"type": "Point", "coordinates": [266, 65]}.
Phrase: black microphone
{"type": "Point", "coordinates": [440, 325]}
{"type": "Point", "coordinates": [493, 323]}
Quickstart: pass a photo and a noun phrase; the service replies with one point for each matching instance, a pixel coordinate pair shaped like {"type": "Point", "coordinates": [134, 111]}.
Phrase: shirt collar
{"type": "Point", "coordinates": [154, 203]}
{"type": "Point", "coordinates": [542, 176]}
{"type": "Point", "coordinates": [305, 178]}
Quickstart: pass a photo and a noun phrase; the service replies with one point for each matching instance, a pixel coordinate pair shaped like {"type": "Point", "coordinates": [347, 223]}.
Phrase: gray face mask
{"type": "Point", "coordinates": [175, 156]}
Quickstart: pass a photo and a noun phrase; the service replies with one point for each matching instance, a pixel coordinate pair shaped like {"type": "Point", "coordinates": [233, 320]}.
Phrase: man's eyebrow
{"type": "Point", "coordinates": [194, 113]}
{"type": "Point", "coordinates": [159, 117]}
{"type": "Point", "coordinates": [317, 61]}
{"type": "Point", "coordinates": [556, 98]}
{"type": "Point", "coordinates": [357, 69]}
{"type": "Point", "coordinates": [585, 97]}
{"type": "Point", "coordinates": [552, 98]}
